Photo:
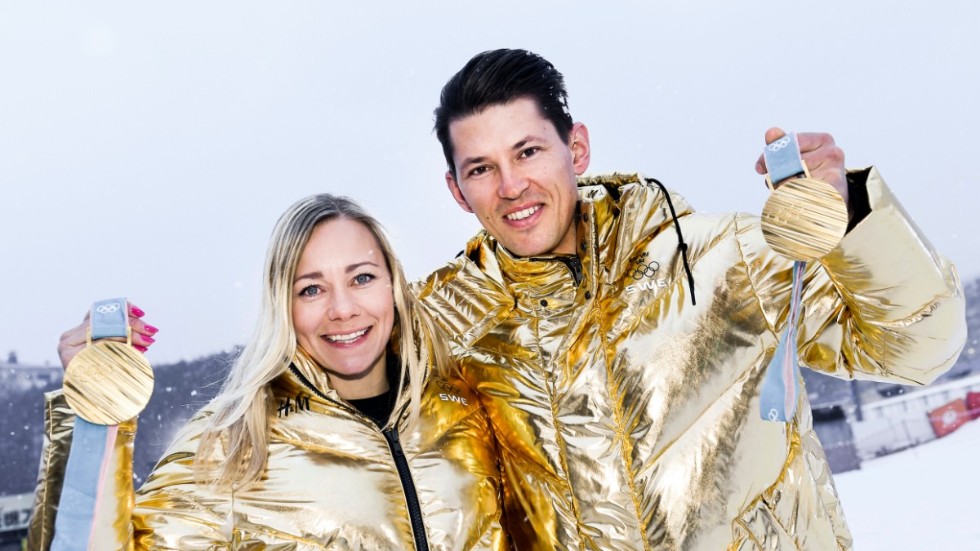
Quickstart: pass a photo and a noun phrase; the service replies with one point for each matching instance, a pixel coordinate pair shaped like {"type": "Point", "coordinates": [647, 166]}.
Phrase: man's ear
{"type": "Point", "coordinates": [457, 193]}
{"type": "Point", "coordinates": [578, 143]}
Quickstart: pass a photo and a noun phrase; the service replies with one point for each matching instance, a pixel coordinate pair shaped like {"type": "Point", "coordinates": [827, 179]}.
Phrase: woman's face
{"type": "Point", "coordinates": [343, 309]}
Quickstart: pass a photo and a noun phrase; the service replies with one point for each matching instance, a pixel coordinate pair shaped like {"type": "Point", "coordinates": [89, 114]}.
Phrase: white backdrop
{"type": "Point", "coordinates": [147, 150]}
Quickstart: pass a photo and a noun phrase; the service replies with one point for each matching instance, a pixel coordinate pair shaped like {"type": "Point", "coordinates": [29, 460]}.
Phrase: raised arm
{"type": "Point", "coordinates": [884, 304]}
{"type": "Point", "coordinates": [171, 511]}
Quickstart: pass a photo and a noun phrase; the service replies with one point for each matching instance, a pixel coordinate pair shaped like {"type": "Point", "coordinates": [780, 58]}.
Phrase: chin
{"type": "Point", "coordinates": [526, 249]}
{"type": "Point", "coordinates": [352, 373]}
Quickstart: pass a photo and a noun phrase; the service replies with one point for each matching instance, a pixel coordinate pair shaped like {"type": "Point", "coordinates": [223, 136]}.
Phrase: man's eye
{"type": "Point", "coordinates": [309, 291]}
{"type": "Point", "coordinates": [482, 169]}
{"type": "Point", "coordinates": [530, 152]}
{"type": "Point", "coordinates": [363, 279]}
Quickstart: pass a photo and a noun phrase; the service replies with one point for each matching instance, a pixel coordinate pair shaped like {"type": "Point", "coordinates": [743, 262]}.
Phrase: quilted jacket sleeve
{"type": "Point", "coordinates": [171, 511]}
{"type": "Point", "coordinates": [58, 423]}
{"type": "Point", "coordinates": [883, 305]}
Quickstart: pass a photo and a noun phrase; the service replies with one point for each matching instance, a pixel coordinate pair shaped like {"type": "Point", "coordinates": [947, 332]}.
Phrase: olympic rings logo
{"type": "Point", "coordinates": [779, 144]}
{"type": "Point", "coordinates": [641, 270]}
{"type": "Point", "coordinates": [108, 308]}
{"type": "Point", "coordinates": [90, 373]}
{"type": "Point", "coordinates": [787, 214]}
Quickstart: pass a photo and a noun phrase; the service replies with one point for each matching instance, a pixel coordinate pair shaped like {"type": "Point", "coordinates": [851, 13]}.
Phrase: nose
{"type": "Point", "coordinates": [343, 305]}
{"type": "Point", "coordinates": [512, 183]}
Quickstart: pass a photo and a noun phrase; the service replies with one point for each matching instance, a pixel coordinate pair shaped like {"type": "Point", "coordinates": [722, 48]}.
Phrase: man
{"type": "Point", "coordinates": [619, 340]}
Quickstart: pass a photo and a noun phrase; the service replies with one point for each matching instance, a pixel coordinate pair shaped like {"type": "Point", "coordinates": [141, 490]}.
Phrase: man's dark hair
{"type": "Point", "coordinates": [498, 77]}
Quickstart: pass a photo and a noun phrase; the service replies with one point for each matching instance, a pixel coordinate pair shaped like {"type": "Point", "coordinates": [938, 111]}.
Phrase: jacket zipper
{"type": "Point", "coordinates": [408, 485]}
{"type": "Point", "coordinates": [401, 465]}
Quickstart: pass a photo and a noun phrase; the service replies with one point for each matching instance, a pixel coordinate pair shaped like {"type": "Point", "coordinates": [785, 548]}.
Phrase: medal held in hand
{"type": "Point", "coordinates": [108, 382]}
{"type": "Point", "coordinates": [804, 218]}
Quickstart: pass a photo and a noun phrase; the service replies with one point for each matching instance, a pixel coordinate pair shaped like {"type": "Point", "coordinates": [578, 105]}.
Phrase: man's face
{"type": "Point", "coordinates": [517, 175]}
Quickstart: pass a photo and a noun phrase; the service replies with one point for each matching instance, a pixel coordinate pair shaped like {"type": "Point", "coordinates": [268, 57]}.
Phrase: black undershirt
{"type": "Point", "coordinates": [377, 408]}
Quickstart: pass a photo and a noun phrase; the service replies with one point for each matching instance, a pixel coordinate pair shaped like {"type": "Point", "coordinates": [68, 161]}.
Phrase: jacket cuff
{"type": "Point", "coordinates": [891, 276]}
{"type": "Point", "coordinates": [887, 255]}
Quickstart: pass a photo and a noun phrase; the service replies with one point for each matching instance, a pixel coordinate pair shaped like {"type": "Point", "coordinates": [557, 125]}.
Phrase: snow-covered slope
{"type": "Point", "coordinates": [924, 498]}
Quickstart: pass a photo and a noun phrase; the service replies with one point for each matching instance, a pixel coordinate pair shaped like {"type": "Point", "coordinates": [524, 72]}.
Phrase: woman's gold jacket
{"type": "Point", "coordinates": [628, 418]}
{"type": "Point", "coordinates": [331, 481]}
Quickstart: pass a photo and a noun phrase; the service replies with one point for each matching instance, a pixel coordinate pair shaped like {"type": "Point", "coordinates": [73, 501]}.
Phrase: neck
{"type": "Point", "coordinates": [369, 386]}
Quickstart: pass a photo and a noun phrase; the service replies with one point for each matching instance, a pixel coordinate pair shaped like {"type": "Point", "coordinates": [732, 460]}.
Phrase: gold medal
{"type": "Point", "coordinates": [803, 219]}
{"type": "Point", "coordinates": [108, 382]}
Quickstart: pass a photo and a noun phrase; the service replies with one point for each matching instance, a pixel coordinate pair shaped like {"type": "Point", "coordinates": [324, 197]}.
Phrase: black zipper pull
{"type": "Point", "coordinates": [396, 444]}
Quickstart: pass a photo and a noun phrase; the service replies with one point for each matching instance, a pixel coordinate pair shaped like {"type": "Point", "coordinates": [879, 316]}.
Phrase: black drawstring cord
{"type": "Point", "coordinates": [681, 245]}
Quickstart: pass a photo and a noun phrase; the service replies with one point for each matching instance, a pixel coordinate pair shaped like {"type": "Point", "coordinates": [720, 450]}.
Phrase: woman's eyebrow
{"type": "Point", "coordinates": [353, 267]}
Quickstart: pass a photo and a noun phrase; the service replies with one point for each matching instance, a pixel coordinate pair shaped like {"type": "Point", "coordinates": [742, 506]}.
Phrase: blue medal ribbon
{"type": "Point", "coordinates": [781, 385]}
{"type": "Point", "coordinates": [91, 448]}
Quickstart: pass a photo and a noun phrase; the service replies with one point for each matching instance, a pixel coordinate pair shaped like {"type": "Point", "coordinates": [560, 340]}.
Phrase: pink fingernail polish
{"type": "Point", "coordinates": [152, 330]}
{"type": "Point", "coordinates": [137, 312]}
{"type": "Point", "coordinates": [140, 348]}
{"type": "Point", "coordinates": [148, 339]}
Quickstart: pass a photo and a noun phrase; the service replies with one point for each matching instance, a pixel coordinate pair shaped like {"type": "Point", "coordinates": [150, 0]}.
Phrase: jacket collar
{"type": "Point", "coordinates": [615, 211]}
{"type": "Point", "coordinates": [304, 376]}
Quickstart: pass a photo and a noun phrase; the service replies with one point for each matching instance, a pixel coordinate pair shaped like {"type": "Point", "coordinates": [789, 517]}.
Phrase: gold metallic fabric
{"type": "Point", "coordinates": [331, 482]}
{"type": "Point", "coordinates": [59, 420]}
{"type": "Point", "coordinates": [628, 418]}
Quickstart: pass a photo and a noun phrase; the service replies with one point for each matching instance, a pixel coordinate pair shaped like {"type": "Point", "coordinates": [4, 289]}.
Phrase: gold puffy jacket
{"type": "Point", "coordinates": [629, 419]}
{"type": "Point", "coordinates": [331, 483]}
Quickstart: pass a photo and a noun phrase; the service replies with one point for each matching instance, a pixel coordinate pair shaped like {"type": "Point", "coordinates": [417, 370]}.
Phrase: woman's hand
{"type": "Point", "coordinates": [75, 339]}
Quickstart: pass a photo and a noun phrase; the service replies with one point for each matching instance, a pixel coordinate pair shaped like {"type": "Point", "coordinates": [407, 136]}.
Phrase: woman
{"type": "Point", "coordinates": [339, 427]}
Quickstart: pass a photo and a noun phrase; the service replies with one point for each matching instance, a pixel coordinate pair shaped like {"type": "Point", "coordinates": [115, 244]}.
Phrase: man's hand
{"type": "Point", "coordinates": [75, 339]}
{"type": "Point", "coordinates": [823, 158]}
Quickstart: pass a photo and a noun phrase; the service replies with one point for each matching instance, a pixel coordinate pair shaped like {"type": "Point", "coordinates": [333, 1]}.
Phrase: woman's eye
{"type": "Point", "coordinates": [309, 291]}
{"type": "Point", "coordinates": [363, 279]}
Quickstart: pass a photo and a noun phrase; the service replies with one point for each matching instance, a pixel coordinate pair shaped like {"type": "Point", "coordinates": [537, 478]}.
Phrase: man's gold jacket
{"type": "Point", "coordinates": [331, 482]}
{"type": "Point", "coordinates": [628, 418]}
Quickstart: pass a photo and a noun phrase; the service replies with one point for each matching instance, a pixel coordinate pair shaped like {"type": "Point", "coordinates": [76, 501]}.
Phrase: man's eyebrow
{"type": "Point", "coordinates": [472, 161]}
{"type": "Point", "coordinates": [523, 141]}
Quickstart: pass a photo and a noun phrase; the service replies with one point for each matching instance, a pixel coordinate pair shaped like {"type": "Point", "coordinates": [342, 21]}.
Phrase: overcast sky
{"type": "Point", "coordinates": [147, 151]}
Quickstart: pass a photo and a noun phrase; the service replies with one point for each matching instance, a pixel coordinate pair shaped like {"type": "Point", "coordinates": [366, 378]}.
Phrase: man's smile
{"type": "Point", "coordinates": [523, 213]}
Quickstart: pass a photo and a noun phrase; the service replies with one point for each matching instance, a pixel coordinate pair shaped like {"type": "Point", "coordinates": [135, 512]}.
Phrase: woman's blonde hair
{"type": "Point", "coordinates": [239, 421]}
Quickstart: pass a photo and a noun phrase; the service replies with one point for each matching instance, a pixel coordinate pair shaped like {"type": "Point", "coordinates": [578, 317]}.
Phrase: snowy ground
{"type": "Point", "coordinates": [924, 498]}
